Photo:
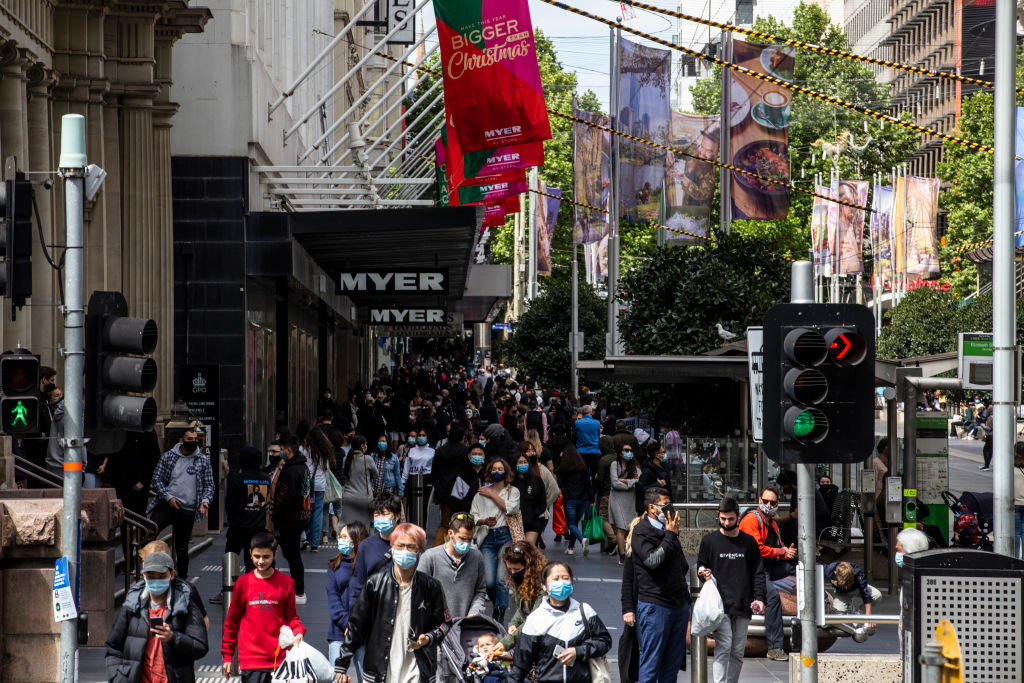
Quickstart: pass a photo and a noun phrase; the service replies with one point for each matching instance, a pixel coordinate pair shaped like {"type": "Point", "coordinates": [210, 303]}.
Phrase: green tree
{"type": "Point", "coordinates": [812, 119]}
{"type": "Point", "coordinates": [967, 177]}
{"type": "Point", "coordinates": [539, 344]}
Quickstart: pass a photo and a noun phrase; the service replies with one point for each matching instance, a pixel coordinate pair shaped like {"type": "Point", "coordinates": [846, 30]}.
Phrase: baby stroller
{"type": "Point", "coordinates": [456, 649]}
{"type": "Point", "coordinates": [972, 519]}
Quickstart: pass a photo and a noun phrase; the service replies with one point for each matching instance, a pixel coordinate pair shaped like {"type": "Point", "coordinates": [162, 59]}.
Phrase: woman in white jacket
{"type": "Point", "coordinates": [491, 506]}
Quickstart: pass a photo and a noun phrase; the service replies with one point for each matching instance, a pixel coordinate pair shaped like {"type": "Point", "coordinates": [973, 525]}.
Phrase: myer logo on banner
{"type": "Point", "coordinates": [408, 316]}
{"type": "Point", "coordinates": [408, 282]}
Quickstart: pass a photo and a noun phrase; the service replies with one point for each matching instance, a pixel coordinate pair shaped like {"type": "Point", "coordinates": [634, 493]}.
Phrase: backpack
{"type": "Point", "coordinates": [306, 503]}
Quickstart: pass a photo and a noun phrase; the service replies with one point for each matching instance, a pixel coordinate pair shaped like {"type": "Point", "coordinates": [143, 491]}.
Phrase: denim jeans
{"type": "Point", "coordinates": [496, 539]}
{"type": "Point", "coordinates": [772, 615]}
{"type": "Point", "coordinates": [575, 511]}
{"type": "Point", "coordinates": [315, 530]}
{"type": "Point", "coordinates": [1018, 531]}
{"type": "Point", "coordinates": [662, 634]}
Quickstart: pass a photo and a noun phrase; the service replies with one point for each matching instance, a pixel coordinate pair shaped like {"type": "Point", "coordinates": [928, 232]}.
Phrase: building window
{"type": "Point", "coordinates": [745, 12]}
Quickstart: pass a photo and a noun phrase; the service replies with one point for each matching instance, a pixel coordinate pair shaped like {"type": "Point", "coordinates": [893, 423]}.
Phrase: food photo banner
{"type": "Point", "coordinates": [592, 177]}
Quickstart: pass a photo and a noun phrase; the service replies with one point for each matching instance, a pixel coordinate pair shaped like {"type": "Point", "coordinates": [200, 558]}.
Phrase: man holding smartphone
{"type": "Point", "coordinates": [732, 559]}
{"type": "Point", "coordinates": [158, 632]}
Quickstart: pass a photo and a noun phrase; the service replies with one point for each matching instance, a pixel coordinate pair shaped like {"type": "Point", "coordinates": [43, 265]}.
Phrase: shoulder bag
{"type": "Point", "coordinates": [600, 672]}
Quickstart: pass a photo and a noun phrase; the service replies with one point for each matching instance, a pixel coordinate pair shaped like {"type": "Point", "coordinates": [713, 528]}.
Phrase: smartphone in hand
{"type": "Point", "coordinates": [156, 622]}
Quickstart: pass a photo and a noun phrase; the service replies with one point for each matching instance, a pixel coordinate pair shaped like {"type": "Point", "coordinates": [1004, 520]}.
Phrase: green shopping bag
{"type": "Point", "coordinates": [593, 526]}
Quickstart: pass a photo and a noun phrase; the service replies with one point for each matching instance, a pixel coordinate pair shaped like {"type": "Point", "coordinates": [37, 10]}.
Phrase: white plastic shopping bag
{"type": "Point", "coordinates": [708, 611]}
{"type": "Point", "coordinates": [302, 663]}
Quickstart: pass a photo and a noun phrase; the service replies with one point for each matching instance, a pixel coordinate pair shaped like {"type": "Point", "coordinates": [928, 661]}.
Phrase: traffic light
{"type": "Point", "coordinates": [16, 241]}
{"type": "Point", "coordinates": [19, 392]}
{"type": "Point", "coordinates": [819, 383]}
{"type": "Point", "coordinates": [118, 371]}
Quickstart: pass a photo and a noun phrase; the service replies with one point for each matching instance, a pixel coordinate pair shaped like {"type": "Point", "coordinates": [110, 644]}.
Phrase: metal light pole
{"type": "Point", "coordinates": [802, 292]}
{"type": "Point", "coordinates": [531, 253]}
{"type": "Point", "coordinates": [574, 347]}
{"type": "Point", "coordinates": [1003, 288]}
{"type": "Point", "coordinates": [72, 169]}
{"type": "Point", "coordinates": [612, 345]}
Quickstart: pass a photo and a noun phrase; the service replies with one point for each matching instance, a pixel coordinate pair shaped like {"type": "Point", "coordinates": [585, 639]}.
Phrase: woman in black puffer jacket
{"type": "Point", "coordinates": [126, 644]}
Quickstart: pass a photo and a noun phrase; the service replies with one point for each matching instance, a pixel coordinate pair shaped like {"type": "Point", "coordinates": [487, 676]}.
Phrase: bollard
{"type": "Point", "coordinates": [228, 573]}
{"type": "Point", "coordinates": [699, 659]}
{"type": "Point", "coordinates": [933, 661]}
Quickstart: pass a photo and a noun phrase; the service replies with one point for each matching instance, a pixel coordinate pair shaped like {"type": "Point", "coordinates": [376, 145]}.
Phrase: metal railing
{"type": "Point", "coordinates": [704, 515]}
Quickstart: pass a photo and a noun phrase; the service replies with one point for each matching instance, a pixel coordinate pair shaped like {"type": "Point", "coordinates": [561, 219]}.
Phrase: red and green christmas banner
{"type": "Point", "coordinates": [472, 165]}
{"type": "Point", "coordinates": [492, 192]}
{"type": "Point", "coordinates": [494, 214]}
{"type": "Point", "coordinates": [492, 86]}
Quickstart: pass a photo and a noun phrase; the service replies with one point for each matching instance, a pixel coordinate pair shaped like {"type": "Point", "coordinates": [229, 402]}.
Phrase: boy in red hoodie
{"type": "Point", "coordinates": [262, 602]}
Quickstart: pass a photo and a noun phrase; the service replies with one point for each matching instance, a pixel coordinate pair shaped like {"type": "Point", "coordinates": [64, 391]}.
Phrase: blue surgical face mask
{"type": "Point", "coordinates": [560, 590]}
{"type": "Point", "coordinates": [898, 559]}
{"type": "Point", "coordinates": [522, 468]}
{"type": "Point", "coordinates": [421, 440]}
{"type": "Point", "coordinates": [411, 440]}
{"type": "Point", "coordinates": [497, 476]}
{"type": "Point", "coordinates": [461, 547]}
{"type": "Point", "coordinates": [404, 558]}
{"type": "Point", "coordinates": [383, 524]}
{"type": "Point", "coordinates": [345, 546]}
{"type": "Point", "coordinates": [476, 460]}
{"type": "Point", "coordinates": [627, 455]}
{"type": "Point", "coordinates": [482, 442]}
{"type": "Point", "coordinates": [158, 586]}
{"type": "Point", "coordinates": [382, 445]}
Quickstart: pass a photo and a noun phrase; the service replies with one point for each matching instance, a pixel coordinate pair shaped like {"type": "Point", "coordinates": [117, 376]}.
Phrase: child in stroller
{"type": "Point", "coordinates": [972, 515]}
{"type": "Point", "coordinates": [491, 660]}
{"type": "Point", "coordinates": [471, 652]}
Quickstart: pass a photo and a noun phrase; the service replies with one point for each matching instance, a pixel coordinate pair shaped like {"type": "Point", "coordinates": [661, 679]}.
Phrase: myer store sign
{"type": "Point", "coordinates": [450, 324]}
{"type": "Point", "coordinates": [393, 282]}
{"type": "Point", "coordinates": [407, 316]}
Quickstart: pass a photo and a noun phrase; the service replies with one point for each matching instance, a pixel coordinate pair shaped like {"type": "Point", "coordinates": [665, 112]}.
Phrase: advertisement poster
{"type": "Point", "coordinates": [489, 162]}
{"type": "Point", "coordinates": [922, 225]}
{"type": "Point", "coordinates": [596, 258]}
{"type": "Point", "coordinates": [645, 76]}
{"type": "Point", "coordinates": [759, 114]}
{"type": "Point", "coordinates": [933, 469]}
{"type": "Point", "coordinates": [832, 228]}
{"type": "Point", "coordinates": [899, 207]}
{"type": "Point", "coordinates": [819, 229]}
{"type": "Point", "coordinates": [690, 182]}
{"type": "Point", "coordinates": [592, 177]}
{"type": "Point", "coordinates": [881, 233]}
{"type": "Point", "coordinates": [1018, 180]}
{"type": "Point", "coordinates": [850, 227]}
{"type": "Point", "coordinates": [547, 215]}
{"type": "Point", "coordinates": [492, 85]}
{"type": "Point", "coordinates": [492, 192]}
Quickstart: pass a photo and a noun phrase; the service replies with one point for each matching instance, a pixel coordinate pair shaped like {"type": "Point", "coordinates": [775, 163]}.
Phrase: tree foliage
{"type": "Point", "coordinates": [812, 119]}
{"type": "Point", "coordinates": [539, 344]}
{"type": "Point", "coordinates": [967, 175]}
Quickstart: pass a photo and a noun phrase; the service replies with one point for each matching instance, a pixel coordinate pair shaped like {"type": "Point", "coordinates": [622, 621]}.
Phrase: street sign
{"type": "Point", "coordinates": [755, 362]}
{"type": "Point", "coordinates": [64, 607]}
{"type": "Point", "coordinates": [975, 360]}
{"type": "Point", "coordinates": [504, 327]}
{"type": "Point", "coordinates": [200, 390]}
{"type": "Point", "coordinates": [399, 10]}
{"type": "Point", "coordinates": [932, 466]}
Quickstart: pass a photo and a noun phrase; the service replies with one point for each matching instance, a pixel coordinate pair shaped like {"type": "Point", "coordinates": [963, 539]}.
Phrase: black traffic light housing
{"type": "Point", "coordinates": [16, 196]}
{"type": "Point", "coordinates": [819, 383]}
{"type": "Point", "coordinates": [118, 372]}
{"type": "Point", "coordinates": [19, 392]}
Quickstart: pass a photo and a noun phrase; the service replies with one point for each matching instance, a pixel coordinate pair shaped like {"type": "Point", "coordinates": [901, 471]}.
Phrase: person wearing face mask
{"type": "Point", "coordinates": [399, 618]}
{"type": "Point", "coordinates": [492, 505]}
{"type": "Point", "coordinates": [779, 562]}
{"type": "Point", "coordinates": [523, 565]}
{"type": "Point", "coordinates": [470, 479]}
{"type": "Point", "coordinates": [733, 560]}
{"type": "Point", "coordinates": [375, 551]}
{"type": "Point", "coordinates": [624, 475]}
{"type": "Point", "coordinates": [459, 567]}
{"type": "Point", "coordinates": [445, 469]}
{"type": "Point", "coordinates": [655, 472]}
{"type": "Point", "coordinates": [183, 482]}
{"type": "Point", "coordinates": [419, 461]}
{"type": "Point", "coordinates": [158, 632]}
{"type": "Point", "coordinates": [360, 473]}
{"type": "Point", "coordinates": [559, 638]}
{"type": "Point", "coordinates": [532, 495]}
{"type": "Point", "coordinates": [389, 469]}
{"type": "Point", "coordinates": [339, 577]}
{"type": "Point", "coordinates": [408, 445]}
{"type": "Point", "coordinates": [660, 579]}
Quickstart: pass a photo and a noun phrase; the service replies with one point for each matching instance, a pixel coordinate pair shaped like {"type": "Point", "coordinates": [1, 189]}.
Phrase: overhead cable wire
{"type": "Point", "coordinates": [777, 81]}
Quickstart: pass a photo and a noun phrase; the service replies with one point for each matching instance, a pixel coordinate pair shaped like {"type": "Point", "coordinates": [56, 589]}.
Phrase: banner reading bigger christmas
{"type": "Point", "coordinates": [473, 165]}
{"type": "Point", "coordinates": [492, 85]}
{"type": "Point", "coordinates": [591, 175]}
{"type": "Point", "coordinates": [758, 120]}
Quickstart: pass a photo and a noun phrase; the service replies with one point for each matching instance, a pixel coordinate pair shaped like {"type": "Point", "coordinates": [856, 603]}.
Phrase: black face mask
{"type": "Point", "coordinates": [728, 528]}
{"type": "Point", "coordinates": [189, 447]}
{"type": "Point", "coordinates": [48, 387]}
{"type": "Point", "coordinates": [518, 576]}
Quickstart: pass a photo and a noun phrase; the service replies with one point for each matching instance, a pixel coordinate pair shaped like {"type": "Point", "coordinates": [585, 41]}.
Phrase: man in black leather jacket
{"type": "Point", "coordinates": [399, 618]}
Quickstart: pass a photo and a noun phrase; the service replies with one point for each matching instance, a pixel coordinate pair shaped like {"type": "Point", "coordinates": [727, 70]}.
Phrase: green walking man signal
{"type": "Point", "coordinates": [19, 412]}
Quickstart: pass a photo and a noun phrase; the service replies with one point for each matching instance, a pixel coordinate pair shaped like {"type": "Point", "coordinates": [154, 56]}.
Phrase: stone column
{"type": "Point", "coordinates": [14, 142]}
{"type": "Point", "coordinates": [162, 244]}
{"type": "Point", "coordinates": [45, 294]}
{"type": "Point", "coordinates": [138, 256]}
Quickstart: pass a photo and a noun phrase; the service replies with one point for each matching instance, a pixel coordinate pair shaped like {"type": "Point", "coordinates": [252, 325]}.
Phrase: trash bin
{"type": "Point", "coordinates": [981, 594]}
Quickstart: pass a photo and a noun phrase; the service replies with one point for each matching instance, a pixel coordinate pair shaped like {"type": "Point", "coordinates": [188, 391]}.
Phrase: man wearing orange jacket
{"type": "Point", "coordinates": [778, 562]}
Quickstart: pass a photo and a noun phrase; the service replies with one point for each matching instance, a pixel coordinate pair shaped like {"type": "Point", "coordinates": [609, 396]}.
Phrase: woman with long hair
{"type": "Point", "coordinates": [491, 506]}
{"type": "Point", "coordinates": [339, 574]}
{"type": "Point", "coordinates": [360, 471]}
{"type": "Point", "coordinates": [532, 498]}
{"type": "Point", "coordinates": [577, 495]}
{"type": "Point", "coordinates": [319, 452]}
{"type": "Point", "coordinates": [523, 565]}
{"type": "Point", "coordinates": [389, 470]}
{"type": "Point", "coordinates": [622, 501]}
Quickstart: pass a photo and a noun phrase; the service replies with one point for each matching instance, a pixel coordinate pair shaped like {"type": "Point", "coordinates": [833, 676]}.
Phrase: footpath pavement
{"type": "Point", "coordinates": [599, 582]}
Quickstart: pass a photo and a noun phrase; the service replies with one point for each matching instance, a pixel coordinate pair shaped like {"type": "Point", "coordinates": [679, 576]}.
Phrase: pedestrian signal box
{"type": "Point", "coordinates": [19, 392]}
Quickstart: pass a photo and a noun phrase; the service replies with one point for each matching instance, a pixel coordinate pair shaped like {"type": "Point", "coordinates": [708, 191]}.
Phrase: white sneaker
{"type": "Point", "coordinates": [570, 551]}
{"type": "Point", "coordinates": [586, 546]}
{"type": "Point", "coordinates": [300, 599]}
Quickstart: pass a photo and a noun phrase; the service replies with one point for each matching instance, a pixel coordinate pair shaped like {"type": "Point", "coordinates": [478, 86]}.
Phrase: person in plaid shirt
{"type": "Point", "coordinates": [183, 482]}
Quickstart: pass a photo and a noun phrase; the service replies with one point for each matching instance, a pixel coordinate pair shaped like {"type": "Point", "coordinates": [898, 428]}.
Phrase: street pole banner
{"type": "Point", "coordinates": [758, 116]}
{"type": "Point", "coordinates": [596, 255]}
{"type": "Point", "coordinates": [643, 110]}
{"type": "Point", "coordinates": [445, 196]}
{"type": "Point", "coordinates": [690, 182]}
{"type": "Point", "coordinates": [899, 233]}
{"type": "Point", "coordinates": [492, 82]}
{"type": "Point", "coordinates": [591, 177]}
{"type": "Point", "coordinates": [832, 226]}
{"type": "Point", "coordinates": [492, 192]}
{"type": "Point", "coordinates": [881, 234]}
{"type": "Point", "coordinates": [1018, 179]}
{"type": "Point", "coordinates": [544, 222]}
{"type": "Point", "coordinates": [475, 165]}
{"type": "Point", "coordinates": [494, 214]}
{"type": "Point", "coordinates": [922, 223]}
{"type": "Point", "coordinates": [850, 227]}
{"type": "Point", "coordinates": [819, 229]}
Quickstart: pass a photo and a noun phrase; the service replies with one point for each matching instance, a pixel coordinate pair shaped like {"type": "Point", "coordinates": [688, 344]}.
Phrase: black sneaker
{"type": "Point", "coordinates": [217, 599]}
{"type": "Point", "coordinates": [305, 545]}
